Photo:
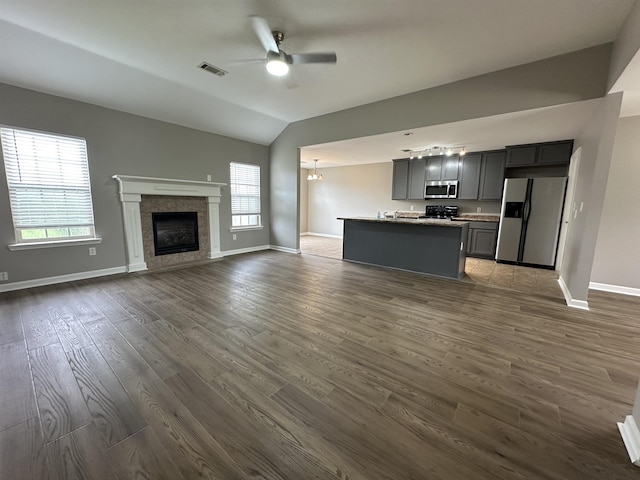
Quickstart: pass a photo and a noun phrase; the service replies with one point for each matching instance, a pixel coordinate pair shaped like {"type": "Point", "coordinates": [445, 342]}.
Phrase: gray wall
{"type": "Point", "coordinates": [567, 78]}
{"type": "Point", "coordinates": [617, 256]}
{"type": "Point", "coordinates": [304, 200]}
{"type": "Point", "coordinates": [626, 45]}
{"type": "Point", "coordinates": [120, 143]}
{"type": "Point", "coordinates": [596, 141]}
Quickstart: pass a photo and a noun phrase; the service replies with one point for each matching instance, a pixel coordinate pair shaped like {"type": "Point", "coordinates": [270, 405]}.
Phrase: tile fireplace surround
{"type": "Point", "coordinates": [131, 191]}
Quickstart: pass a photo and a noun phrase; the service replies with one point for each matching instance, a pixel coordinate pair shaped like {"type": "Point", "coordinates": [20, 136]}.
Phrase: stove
{"type": "Point", "coordinates": [440, 211]}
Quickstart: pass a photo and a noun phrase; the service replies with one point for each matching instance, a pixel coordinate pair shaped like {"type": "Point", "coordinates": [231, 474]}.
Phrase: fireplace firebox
{"type": "Point", "coordinates": [175, 232]}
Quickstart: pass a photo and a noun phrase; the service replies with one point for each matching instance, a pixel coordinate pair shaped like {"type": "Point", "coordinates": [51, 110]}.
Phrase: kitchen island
{"type": "Point", "coordinates": [431, 246]}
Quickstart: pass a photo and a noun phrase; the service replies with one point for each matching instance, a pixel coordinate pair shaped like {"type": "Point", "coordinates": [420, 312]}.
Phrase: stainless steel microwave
{"type": "Point", "coordinates": [441, 189]}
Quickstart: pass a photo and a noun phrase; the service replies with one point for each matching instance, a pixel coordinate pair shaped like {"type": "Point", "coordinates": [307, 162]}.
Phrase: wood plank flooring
{"type": "Point", "coordinates": [275, 366]}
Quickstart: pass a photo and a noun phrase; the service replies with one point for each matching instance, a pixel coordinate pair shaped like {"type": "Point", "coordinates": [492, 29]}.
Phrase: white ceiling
{"type": "Point", "coordinates": [142, 56]}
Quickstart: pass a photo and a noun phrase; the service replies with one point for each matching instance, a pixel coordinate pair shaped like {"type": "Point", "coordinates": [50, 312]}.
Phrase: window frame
{"type": "Point", "coordinates": [232, 186]}
{"type": "Point", "coordinates": [40, 161]}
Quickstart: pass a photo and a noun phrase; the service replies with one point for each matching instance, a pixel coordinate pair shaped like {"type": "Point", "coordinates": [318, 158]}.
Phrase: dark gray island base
{"type": "Point", "coordinates": [435, 247]}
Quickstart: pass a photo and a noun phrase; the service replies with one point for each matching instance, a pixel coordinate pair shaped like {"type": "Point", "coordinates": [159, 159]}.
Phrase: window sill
{"type": "Point", "coordinates": [60, 243]}
{"type": "Point", "coordinates": [244, 229]}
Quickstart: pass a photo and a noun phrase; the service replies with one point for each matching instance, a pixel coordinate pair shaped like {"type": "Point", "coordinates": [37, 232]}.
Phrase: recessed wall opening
{"type": "Point", "coordinates": [175, 232]}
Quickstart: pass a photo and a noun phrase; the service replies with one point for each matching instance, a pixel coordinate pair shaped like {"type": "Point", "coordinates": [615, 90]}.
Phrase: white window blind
{"type": "Point", "coordinates": [49, 188]}
{"type": "Point", "coordinates": [245, 194]}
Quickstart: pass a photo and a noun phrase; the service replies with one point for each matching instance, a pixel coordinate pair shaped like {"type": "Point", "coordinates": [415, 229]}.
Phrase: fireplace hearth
{"type": "Point", "coordinates": [175, 232]}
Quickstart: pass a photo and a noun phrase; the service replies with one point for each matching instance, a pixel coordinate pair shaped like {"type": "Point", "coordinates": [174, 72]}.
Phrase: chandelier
{"type": "Point", "coordinates": [315, 175]}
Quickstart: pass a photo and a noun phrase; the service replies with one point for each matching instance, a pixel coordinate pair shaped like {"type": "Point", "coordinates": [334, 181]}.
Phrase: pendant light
{"type": "Point", "coordinates": [314, 176]}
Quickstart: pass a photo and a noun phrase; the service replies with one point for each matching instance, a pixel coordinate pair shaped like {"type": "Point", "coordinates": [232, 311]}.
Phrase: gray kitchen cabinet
{"type": "Point", "coordinates": [492, 175]}
{"type": "Point", "coordinates": [434, 169]}
{"type": "Point", "coordinates": [417, 172]}
{"type": "Point", "coordinates": [400, 179]}
{"type": "Point", "coordinates": [442, 168]}
{"type": "Point", "coordinates": [450, 167]}
{"type": "Point", "coordinates": [521, 156]}
{"type": "Point", "coordinates": [549, 153]}
{"type": "Point", "coordinates": [555, 153]}
{"type": "Point", "coordinates": [482, 239]}
{"type": "Point", "coordinates": [469, 176]}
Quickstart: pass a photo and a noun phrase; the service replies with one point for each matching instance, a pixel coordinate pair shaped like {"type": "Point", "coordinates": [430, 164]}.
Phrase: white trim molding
{"type": "Point", "coordinates": [278, 248]}
{"type": "Point", "coordinates": [39, 282]}
{"type": "Point", "coordinates": [132, 188]}
{"type": "Point", "coordinates": [631, 438]}
{"type": "Point", "coordinates": [238, 251]}
{"type": "Point", "coordinates": [56, 243]}
{"type": "Point", "coordinates": [581, 304]}
{"type": "Point", "coordinates": [605, 287]}
{"type": "Point", "coordinates": [314, 234]}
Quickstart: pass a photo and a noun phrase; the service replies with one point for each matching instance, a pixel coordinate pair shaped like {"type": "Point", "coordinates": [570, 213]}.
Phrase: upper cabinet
{"type": "Point", "coordinates": [417, 173]}
{"type": "Point", "coordinates": [408, 179]}
{"type": "Point", "coordinates": [469, 176]}
{"type": "Point", "coordinates": [400, 179]}
{"type": "Point", "coordinates": [482, 176]}
{"type": "Point", "coordinates": [554, 153]}
{"type": "Point", "coordinates": [492, 175]}
{"type": "Point", "coordinates": [442, 168]}
{"type": "Point", "coordinates": [551, 153]}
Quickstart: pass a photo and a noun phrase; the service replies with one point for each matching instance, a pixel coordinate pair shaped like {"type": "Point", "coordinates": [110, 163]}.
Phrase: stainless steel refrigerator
{"type": "Point", "coordinates": [530, 220]}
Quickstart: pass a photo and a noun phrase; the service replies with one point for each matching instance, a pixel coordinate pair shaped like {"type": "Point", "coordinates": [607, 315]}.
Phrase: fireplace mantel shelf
{"type": "Point", "coordinates": [131, 190]}
{"type": "Point", "coordinates": [159, 186]}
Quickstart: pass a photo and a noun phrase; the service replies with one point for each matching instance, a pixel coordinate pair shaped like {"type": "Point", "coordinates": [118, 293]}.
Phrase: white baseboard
{"type": "Point", "coordinates": [315, 234]}
{"type": "Point", "coordinates": [631, 438]}
{"type": "Point", "coordinates": [581, 304]}
{"type": "Point", "coordinates": [39, 282]}
{"type": "Point", "coordinates": [302, 234]}
{"type": "Point", "coordinates": [284, 249]}
{"type": "Point", "coordinates": [239, 251]}
{"type": "Point", "coordinates": [605, 287]}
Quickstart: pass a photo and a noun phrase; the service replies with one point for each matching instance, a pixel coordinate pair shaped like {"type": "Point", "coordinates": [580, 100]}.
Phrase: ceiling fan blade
{"type": "Point", "coordinates": [246, 62]}
{"type": "Point", "coordinates": [321, 57]}
{"type": "Point", "coordinates": [263, 32]}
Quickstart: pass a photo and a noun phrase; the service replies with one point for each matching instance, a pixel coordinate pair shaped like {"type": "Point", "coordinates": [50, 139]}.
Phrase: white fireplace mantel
{"type": "Point", "coordinates": [131, 191]}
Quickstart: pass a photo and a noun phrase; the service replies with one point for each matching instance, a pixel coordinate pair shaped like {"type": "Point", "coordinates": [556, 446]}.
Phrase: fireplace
{"type": "Point", "coordinates": [132, 189]}
{"type": "Point", "coordinates": [175, 232]}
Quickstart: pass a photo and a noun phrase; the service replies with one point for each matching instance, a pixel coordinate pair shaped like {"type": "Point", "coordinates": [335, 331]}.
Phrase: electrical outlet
{"type": "Point", "coordinates": [208, 178]}
{"type": "Point", "coordinates": [234, 236]}
{"type": "Point", "coordinates": [479, 210]}
{"type": "Point", "coordinates": [412, 208]}
{"type": "Point", "coordinates": [4, 276]}
{"type": "Point", "coordinates": [92, 250]}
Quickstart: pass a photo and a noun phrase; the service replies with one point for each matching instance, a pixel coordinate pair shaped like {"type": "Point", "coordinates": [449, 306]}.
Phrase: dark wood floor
{"type": "Point", "coordinates": [277, 366]}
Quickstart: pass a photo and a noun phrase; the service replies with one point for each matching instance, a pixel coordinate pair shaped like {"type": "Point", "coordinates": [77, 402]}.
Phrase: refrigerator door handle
{"type": "Point", "coordinates": [526, 211]}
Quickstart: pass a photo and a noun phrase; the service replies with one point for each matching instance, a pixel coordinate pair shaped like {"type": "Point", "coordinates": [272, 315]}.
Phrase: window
{"type": "Point", "coordinates": [49, 190]}
{"type": "Point", "coordinates": [245, 195]}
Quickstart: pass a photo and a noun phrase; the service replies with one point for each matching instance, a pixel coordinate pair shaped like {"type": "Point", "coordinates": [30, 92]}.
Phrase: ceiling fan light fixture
{"type": "Point", "coordinates": [277, 64]}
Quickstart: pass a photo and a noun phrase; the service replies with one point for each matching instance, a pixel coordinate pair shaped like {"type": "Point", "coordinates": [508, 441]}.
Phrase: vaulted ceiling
{"type": "Point", "coordinates": [142, 57]}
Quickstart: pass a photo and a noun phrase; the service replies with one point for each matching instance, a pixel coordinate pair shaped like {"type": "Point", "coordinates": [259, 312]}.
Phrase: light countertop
{"type": "Point", "coordinates": [410, 221]}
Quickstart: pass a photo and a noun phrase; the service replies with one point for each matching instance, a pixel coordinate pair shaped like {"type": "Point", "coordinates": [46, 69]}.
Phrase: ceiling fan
{"type": "Point", "coordinates": [278, 60]}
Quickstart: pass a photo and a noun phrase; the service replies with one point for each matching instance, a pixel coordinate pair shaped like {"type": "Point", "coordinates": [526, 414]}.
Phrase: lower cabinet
{"type": "Point", "coordinates": [482, 239]}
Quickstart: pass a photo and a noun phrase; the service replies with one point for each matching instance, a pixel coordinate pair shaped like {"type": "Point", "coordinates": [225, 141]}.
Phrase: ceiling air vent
{"type": "Point", "coordinates": [212, 69]}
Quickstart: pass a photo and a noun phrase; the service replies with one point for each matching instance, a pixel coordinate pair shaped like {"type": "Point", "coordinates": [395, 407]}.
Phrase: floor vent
{"type": "Point", "coordinates": [212, 69]}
